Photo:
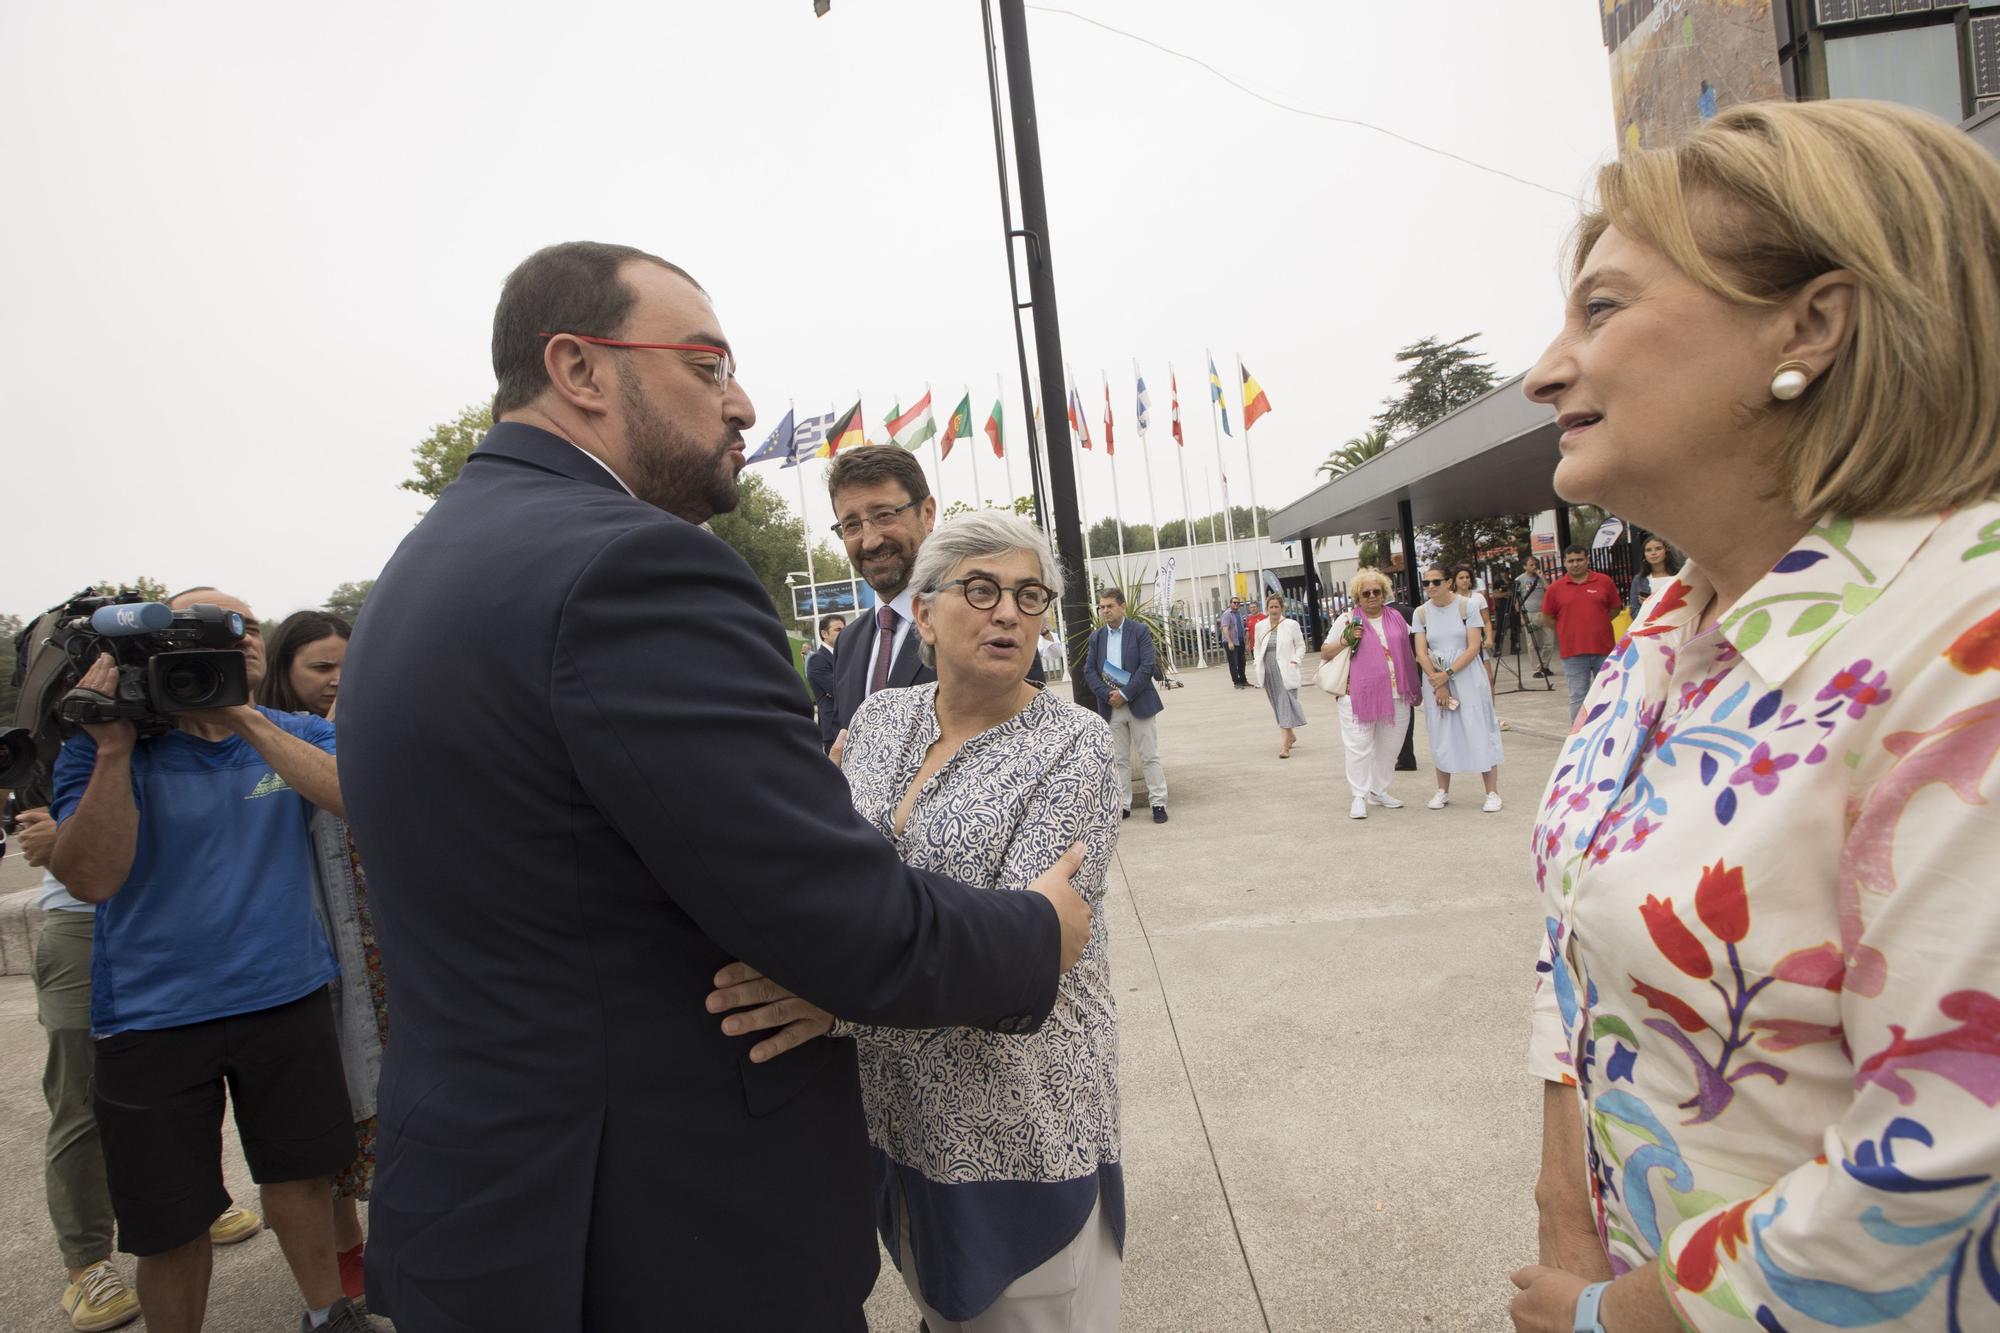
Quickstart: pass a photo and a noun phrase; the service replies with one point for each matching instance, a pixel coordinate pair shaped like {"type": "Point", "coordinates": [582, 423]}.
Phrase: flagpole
{"type": "Point", "coordinates": [1208, 494]}
{"type": "Point", "coordinates": [1111, 461]}
{"type": "Point", "coordinates": [937, 460]}
{"type": "Point", "coordinates": [1250, 466]}
{"type": "Point", "coordinates": [1153, 512]}
{"type": "Point", "coordinates": [1082, 496]}
{"type": "Point", "coordinates": [1222, 469]}
{"type": "Point", "coordinates": [860, 417]}
{"type": "Point", "coordinates": [1187, 511]}
{"type": "Point", "coordinates": [1006, 461]}
{"type": "Point", "coordinates": [805, 523]}
{"type": "Point", "coordinates": [978, 500]}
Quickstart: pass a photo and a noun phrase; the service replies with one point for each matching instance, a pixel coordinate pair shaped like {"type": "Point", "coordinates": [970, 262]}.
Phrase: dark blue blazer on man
{"type": "Point", "coordinates": [583, 777]}
{"type": "Point", "coordinates": [819, 677]}
{"type": "Point", "coordinates": [1137, 656]}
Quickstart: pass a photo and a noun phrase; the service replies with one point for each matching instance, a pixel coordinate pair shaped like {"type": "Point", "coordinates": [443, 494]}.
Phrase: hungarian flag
{"type": "Point", "coordinates": [960, 425]}
{"type": "Point", "coordinates": [845, 433]}
{"type": "Point", "coordinates": [1174, 391]}
{"type": "Point", "coordinates": [1109, 446]}
{"type": "Point", "coordinates": [1076, 418]}
{"type": "Point", "coordinates": [1215, 392]}
{"type": "Point", "coordinates": [1255, 404]}
{"type": "Point", "coordinates": [912, 428]}
{"type": "Point", "coordinates": [993, 429]}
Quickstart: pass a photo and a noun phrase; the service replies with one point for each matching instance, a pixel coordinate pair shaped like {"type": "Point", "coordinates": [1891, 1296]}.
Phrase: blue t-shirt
{"type": "Point", "coordinates": [217, 916]}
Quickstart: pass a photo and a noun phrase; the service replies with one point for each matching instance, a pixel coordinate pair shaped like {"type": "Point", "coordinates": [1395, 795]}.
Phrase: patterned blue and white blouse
{"type": "Point", "coordinates": [1000, 1144]}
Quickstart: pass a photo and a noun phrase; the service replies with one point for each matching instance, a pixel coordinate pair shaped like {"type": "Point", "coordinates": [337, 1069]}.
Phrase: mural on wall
{"type": "Point", "coordinates": [1675, 63]}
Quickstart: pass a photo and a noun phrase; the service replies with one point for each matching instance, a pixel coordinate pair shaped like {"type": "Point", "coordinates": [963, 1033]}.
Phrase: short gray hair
{"type": "Point", "coordinates": [986, 532]}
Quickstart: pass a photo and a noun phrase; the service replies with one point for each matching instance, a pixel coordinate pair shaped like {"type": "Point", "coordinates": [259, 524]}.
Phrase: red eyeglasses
{"type": "Point", "coordinates": [723, 368]}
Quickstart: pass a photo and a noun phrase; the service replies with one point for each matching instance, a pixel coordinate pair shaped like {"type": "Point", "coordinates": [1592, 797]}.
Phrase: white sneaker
{"type": "Point", "coordinates": [1359, 810]}
{"type": "Point", "coordinates": [1492, 802]}
{"type": "Point", "coordinates": [1438, 801]}
{"type": "Point", "coordinates": [1385, 800]}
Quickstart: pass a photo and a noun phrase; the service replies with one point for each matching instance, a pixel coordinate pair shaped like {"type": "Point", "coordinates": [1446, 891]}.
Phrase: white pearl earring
{"type": "Point", "coordinates": [1790, 380]}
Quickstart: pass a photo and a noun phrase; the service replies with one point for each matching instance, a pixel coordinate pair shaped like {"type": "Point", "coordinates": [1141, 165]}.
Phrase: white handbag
{"type": "Point", "coordinates": [1332, 676]}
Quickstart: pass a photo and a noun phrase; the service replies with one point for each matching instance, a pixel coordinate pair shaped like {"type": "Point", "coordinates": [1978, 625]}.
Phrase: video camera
{"type": "Point", "coordinates": [168, 662]}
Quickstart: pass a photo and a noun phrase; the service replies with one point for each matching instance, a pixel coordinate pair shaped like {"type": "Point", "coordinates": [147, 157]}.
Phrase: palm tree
{"type": "Point", "coordinates": [1354, 453]}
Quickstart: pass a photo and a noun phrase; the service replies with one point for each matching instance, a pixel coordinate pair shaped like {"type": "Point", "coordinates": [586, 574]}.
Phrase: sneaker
{"type": "Point", "coordinates": [1438, 801]}
{"type": "Point", "coordinates": [344, 1317]}
{"type": "Point", "coordinates": [1159, 814]}
{"type": "Point", "coordinates": [235, 1225]}
{"type": "Point", "coordinates": [99, 1299]}
{"type": "Point", "coordinates": [1359, 810]}
{"type": "Point", "coordinates": [353, 1281]}
{"type": "Point", "coordinates": [1385, 800]}
{"type": "Point", "coordinates": [1492, 802]}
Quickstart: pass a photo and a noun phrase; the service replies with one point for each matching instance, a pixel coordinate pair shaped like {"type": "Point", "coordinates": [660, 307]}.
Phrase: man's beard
{"type": "Point", "coordinates": [897, 577]}
{"type": "Point", "coordinates": [671, 469]}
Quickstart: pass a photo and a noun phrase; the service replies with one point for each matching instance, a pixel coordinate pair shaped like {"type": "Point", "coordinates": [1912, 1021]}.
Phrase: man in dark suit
{"type": "Point", "coordinates": [1119, 669]}
{"type": "Point", "coordinates": [575, 749]}
{"type": "Point", "coordinates": [819, 675]}
{"type": "Point", "coordinates": [884, 509]}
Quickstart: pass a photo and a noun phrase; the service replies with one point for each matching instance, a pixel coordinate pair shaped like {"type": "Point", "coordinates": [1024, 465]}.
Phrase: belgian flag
{"type": "Point", "coordinates": [1255, 404]}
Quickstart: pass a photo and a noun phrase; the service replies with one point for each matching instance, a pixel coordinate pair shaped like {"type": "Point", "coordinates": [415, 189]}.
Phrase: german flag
{"type": "Point", "coordinates": [846, 433]}
{"type": "Point", "coordinates": [1255, 404]}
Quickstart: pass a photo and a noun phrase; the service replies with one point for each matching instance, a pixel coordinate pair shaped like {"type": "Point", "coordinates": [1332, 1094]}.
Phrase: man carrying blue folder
{"type": "Point", "coordinates": [1119, 671]}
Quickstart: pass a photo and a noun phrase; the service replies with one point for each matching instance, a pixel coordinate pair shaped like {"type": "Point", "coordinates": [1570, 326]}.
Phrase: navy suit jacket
{"type": "Point", "coordinates": [1137, 656]}
{"type": "Point", "coordinates": [819, 675]}
{"type": "Point", "coordinates": [578, 762]}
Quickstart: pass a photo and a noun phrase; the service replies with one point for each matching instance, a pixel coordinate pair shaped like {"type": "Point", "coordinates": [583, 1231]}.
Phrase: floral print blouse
{"type": "Point", "coordinates": [1770, 864]}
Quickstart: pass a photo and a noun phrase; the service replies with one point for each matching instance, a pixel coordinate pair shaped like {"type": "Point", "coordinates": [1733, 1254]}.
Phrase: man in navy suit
{"type": "Point", "coordinates": [819, 675]}
{"type": "Point", "coordinates": [1119, 670]}
{"type": "Point", "coordinates": [884, 509]}
{"type": "Point", "coordinates": [575, 749]}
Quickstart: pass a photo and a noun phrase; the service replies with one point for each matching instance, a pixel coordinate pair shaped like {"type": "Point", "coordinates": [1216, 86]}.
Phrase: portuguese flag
{"type": "Point", "coordinates": [960, 425]}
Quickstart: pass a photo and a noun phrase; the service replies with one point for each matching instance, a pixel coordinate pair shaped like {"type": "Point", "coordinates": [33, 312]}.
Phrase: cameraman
{"type": "Point", "coordinates": [210, 968]}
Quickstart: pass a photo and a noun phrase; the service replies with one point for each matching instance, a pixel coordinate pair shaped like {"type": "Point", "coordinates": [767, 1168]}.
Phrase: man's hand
{"type": "Point", "coordinates": [110, 737]}
{"type": "Point", "coordinates": [1547, 1301]}
{"type": "Point", "coordinates": [1117, 698]}
{"type": "Point", "coordinates": [741, 986]}
{"type": "Point", "coordinates": [37, 835]}
{"type": "Point", "coordinates": [1072, 911]}
{"type": "Point", "coordinates": [839, 746]}
{"type": "Point", "coordinates": [236, 719]}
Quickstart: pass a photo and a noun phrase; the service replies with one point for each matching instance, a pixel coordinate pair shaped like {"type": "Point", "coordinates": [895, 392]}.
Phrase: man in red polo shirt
{"type": "Point", "coordinates": [1580, 609]}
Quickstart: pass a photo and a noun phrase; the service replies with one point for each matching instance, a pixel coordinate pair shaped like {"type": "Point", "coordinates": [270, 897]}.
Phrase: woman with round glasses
{"type": "Point", "coordinates": [998, 1188]}
{"type": "Point", "coordinates": [1382, 686]}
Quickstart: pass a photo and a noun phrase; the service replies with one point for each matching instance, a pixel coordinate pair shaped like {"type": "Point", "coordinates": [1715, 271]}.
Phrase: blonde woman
{"type": "Point", "coordinates": [1769, 1011]}
{"type": "Point", "coordinates": [1382, 683]}
{"type": "Point", "coordinates": [1277, 647]}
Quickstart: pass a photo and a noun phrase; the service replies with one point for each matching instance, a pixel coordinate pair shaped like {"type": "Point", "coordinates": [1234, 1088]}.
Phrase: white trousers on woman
{"type": "Point", "coordinates": [1075, 1291]}
{"type": "Point", "coordinates": [1371, 748]}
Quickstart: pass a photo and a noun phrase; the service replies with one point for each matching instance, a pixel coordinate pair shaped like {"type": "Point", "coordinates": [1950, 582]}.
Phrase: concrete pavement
{"type": "Point", "coordinates": [1327, 1120]}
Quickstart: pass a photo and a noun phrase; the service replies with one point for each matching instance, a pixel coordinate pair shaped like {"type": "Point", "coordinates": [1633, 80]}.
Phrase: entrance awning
{"type": "Point", "coordinates": [1495, 455]}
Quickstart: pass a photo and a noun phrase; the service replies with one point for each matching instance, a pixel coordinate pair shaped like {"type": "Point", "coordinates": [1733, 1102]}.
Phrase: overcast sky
{"type": "Point", "coordinates": [252, 250]}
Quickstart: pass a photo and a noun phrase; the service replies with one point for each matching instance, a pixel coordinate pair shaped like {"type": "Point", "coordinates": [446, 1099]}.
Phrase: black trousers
{"type": "Point", "coordinates": [1235, 655]}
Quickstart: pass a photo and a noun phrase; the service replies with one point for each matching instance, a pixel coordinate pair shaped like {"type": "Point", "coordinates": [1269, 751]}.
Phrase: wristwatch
{"type": "Point", "coordinates": [1586, 1309]}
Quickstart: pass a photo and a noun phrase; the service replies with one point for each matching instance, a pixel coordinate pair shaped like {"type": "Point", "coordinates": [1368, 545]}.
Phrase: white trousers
{"type": "Point", "coordinates": [1075, 1291]}
{"type": "Point", "coordinates": [1144, 732]}
{"type": "Point", "coordinates": [1371, 748]}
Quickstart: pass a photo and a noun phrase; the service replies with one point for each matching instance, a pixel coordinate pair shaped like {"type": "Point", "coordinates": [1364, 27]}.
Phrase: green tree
{"type": "Point", "coordinates": [10, 625]}
{"type": "Point", "coordinates": [1355, 452]}
{"type": "Point", "coordinates": [765, 534]}
{"type": "Point", "coordinates": [441, 454]}
{"type": "Point", "coordinates": [1438, 379]}
{"type": "Point", "coordinates": [345, 601]}
{"type": "Point", "coordinates": [151, 589]}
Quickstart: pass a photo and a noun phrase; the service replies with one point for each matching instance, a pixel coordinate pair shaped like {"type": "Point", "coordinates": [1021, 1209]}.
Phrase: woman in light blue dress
{"type": "Point", "coordinates": [1459, 721]}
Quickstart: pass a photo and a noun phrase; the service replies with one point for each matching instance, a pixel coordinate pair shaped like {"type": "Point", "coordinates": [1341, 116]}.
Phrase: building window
{"type": "Point", "coordinates": [1916, 66]}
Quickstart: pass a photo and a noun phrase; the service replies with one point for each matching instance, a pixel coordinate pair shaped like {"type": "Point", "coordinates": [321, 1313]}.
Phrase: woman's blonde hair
{"type": "Point", "coordinates": [1369, 577]}
{"type": "Point", "coordinates": [1769, 195]}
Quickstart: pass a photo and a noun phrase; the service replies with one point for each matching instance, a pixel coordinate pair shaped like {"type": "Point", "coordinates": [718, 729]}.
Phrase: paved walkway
{"type": "Point", "coordinates": [1327, 1122]}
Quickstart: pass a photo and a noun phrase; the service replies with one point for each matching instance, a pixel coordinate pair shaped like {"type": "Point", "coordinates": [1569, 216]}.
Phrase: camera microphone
{"type": "Point", "coordinates": [125, 618]}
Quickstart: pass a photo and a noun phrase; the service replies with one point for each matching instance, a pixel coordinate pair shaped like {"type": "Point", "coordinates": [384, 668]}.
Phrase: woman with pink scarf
{"type": "Point", "coordinates": [1382, 684]}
